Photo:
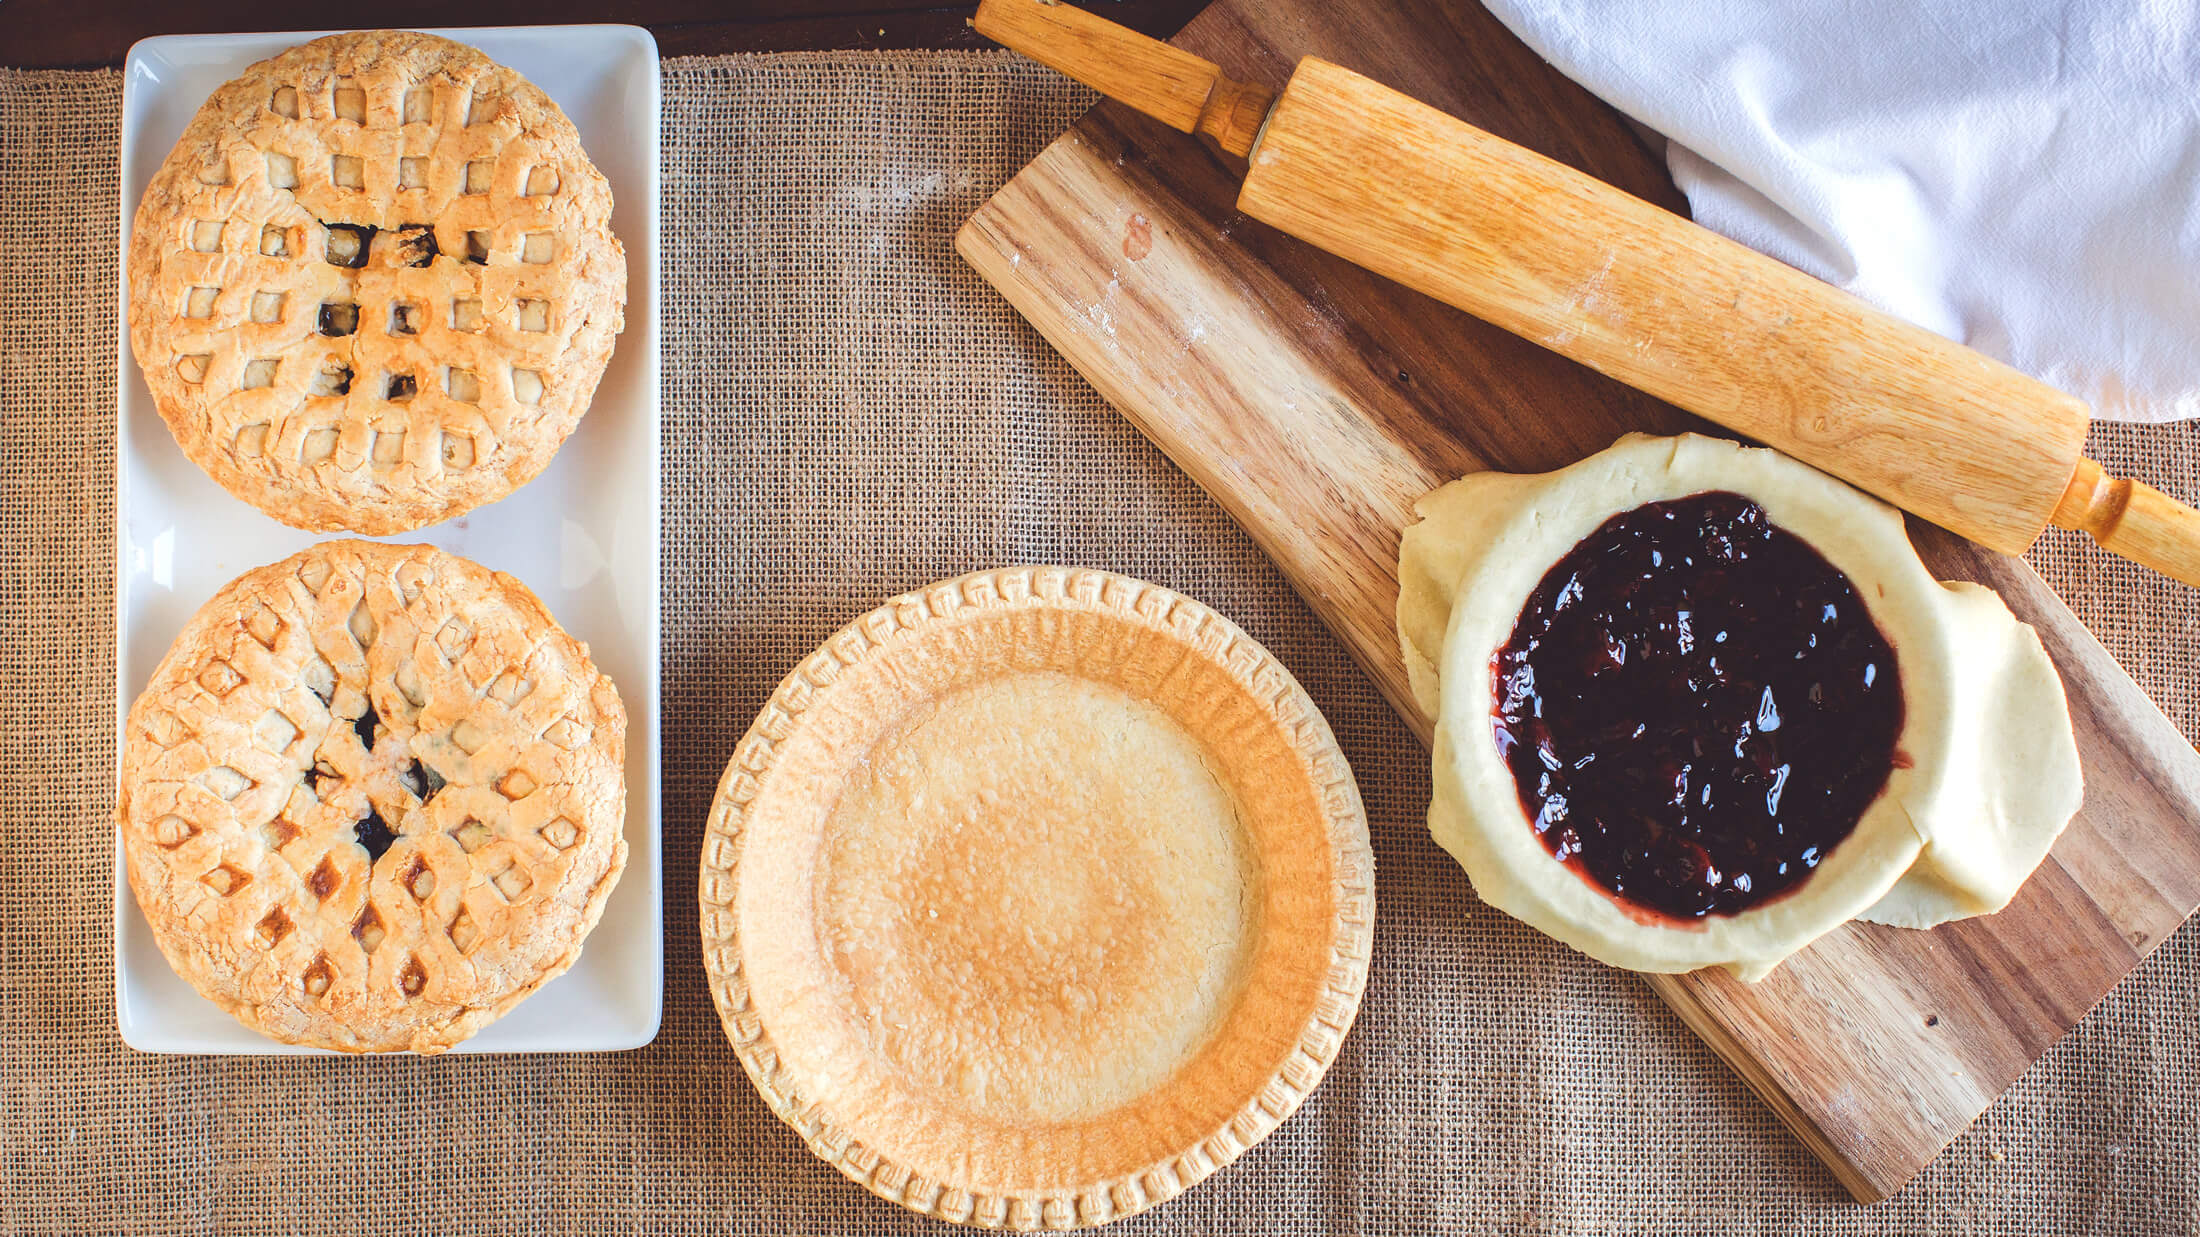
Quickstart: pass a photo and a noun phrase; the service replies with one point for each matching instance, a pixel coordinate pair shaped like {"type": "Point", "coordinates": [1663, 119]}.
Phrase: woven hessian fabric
{"type": "Point", "coordinates": [850, 412]}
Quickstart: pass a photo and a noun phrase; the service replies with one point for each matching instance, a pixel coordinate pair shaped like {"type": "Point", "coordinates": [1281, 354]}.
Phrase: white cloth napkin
{"type": "Point", "coordinates": [2020, 175]}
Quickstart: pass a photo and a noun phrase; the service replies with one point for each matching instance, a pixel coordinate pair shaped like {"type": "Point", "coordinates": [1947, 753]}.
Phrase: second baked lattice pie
{"type": "Point", "coordinates": [373, 797]}
{"type": "Point", "coordinates": [374, 285]}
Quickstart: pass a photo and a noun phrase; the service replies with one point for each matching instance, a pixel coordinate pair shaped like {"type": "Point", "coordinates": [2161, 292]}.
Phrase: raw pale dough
{"type": "Point", "coordinates": [1993, 774]}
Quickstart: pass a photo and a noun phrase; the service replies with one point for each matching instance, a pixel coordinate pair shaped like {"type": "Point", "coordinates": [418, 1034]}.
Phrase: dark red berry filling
{"type": "Point", "coordinates": [1695, 707]}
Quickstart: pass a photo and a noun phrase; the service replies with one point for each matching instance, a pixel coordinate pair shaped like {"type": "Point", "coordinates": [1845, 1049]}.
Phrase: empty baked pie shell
{"type": "Point", "coordinates": [1034, 897]}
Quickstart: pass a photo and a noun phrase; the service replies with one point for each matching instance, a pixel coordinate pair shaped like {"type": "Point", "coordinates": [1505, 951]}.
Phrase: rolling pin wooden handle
{"type": "Point", "coordinates": [2133, 520]}
{"type": "Point", "coordinates": [1175, 87]}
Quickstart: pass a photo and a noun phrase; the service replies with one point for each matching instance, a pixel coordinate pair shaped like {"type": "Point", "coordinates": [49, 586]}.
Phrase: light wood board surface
{"type": "Point", "coordinates": [1316, 402]}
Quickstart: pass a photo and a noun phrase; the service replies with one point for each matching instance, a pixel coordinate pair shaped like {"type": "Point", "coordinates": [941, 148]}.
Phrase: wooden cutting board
{"type": "Point", "coordinates": [1316, 402]}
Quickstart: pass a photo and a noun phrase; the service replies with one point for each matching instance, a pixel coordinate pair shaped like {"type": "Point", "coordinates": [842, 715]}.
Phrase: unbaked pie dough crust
{"type": "Point", "coordinates": [1992, 772]}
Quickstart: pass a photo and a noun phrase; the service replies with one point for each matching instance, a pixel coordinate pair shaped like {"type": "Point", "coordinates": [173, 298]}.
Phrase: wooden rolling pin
{"type": "Point", "coordinates": [1633, 291]}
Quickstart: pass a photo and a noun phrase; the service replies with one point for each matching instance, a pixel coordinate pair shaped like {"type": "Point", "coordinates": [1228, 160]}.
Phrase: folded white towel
{"type": "Point", "coordinates": [2020, 175]}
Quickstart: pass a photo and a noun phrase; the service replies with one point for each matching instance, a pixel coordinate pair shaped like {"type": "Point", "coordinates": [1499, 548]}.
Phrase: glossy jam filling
{"type": "Point", "coordinates": [1696, 707]}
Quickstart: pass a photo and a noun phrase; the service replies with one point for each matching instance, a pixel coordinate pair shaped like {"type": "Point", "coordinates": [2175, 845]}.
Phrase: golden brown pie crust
{"type": "Point", "coordinates": [350, 679]}
{"type": "Point", "coordinates": [1033, 898]}
{"type": "Point", "coordinates": [421, 383]}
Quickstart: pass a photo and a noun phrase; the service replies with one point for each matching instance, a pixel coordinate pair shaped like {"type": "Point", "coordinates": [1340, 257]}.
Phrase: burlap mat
{"type": "Point", "coordinates": [849, 412]}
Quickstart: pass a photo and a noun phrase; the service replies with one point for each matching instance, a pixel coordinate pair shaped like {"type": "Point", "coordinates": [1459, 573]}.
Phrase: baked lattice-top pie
{"type": "Point", "coordinates": [374, 285]}
{"type": "Point", "coordinates": [372, 798]}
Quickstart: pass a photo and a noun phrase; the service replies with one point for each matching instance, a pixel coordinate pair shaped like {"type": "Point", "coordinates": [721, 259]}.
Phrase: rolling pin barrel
{"type": "Point", "coordinates": [1664, 305]}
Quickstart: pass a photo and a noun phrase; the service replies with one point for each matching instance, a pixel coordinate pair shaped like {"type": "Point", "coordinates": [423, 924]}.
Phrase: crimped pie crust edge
{"type": "Point", "coordinates": [1163, 613]}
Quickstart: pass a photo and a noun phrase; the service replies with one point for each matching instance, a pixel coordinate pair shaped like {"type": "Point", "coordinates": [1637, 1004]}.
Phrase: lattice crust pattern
{"type": "Point", "coordinates": [374, 285]}
{"type": "Point", "coordinates": [1311, 1042]}
{"type": "Point", "coordinates": [373, 797]}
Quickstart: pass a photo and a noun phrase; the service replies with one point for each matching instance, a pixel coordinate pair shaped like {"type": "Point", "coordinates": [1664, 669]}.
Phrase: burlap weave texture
{"type": "Point", "coordinates": [850, 412]}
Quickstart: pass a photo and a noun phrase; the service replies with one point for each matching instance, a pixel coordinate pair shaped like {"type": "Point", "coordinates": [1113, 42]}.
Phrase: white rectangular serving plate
{"type": "Point", "coordinates": [582, 535]}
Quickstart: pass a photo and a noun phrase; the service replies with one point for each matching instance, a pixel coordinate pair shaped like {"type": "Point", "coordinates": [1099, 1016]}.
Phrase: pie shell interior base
{"type": "Point", "coordinates": [1033, 898]}
{"type": "Point", "coordinates": [353, 681]}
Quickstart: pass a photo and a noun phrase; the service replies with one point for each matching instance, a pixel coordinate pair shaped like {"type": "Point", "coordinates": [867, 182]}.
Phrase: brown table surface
{"type": "Point", "coordinates": [58, 34]}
